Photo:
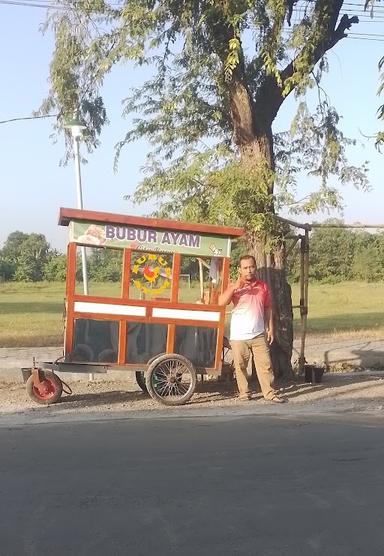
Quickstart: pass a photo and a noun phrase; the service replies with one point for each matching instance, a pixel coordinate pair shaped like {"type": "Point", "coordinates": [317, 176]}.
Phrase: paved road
{"type": "Point", "coordinates": [250, 485]}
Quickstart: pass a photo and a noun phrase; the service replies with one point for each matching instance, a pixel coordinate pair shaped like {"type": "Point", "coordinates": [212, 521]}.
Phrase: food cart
{"type": "Point", "coordinates": [150, 321]}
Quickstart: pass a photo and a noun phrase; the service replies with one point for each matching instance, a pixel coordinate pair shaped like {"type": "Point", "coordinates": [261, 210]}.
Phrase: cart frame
{"type": "Point", "coordinates": [141, 238]}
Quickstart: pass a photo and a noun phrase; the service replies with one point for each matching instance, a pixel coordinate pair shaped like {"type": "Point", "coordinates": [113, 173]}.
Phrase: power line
{"type": "Point", "coordinates": [365, 39]}
{"type": "Point", "coordinates": [32, 5]}
{"type": "Point", "coordinates": [46, 4]}
{"type": "Point", "coordinates": [28, 118]}
{"type": "Point", "coordinates": [366, 34]}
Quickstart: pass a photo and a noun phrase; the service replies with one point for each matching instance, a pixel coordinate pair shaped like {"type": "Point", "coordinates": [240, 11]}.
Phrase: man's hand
{"type": "Point", "coordinates": [236, 285]}
{"type": "Point", "coordinates": [226, 297]}
{"type": "Point", "coordinates": [270, 336]}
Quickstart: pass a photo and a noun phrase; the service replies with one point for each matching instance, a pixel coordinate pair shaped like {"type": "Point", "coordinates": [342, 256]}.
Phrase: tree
{"type": "Point", "coordinates": [331, 253]}
{"type": "Point", "coordinates": [24, 256]}
{"type": "Point", "coordinates": [105, 265]}
{"type": "Point", "coordinates": [55, 269]}
{"type": "Point", "coordinates": [11, 252]}
{"type": "Point", "coordinates": [32, 257]}
{"type": "Point", "coordinates": [222, 71]}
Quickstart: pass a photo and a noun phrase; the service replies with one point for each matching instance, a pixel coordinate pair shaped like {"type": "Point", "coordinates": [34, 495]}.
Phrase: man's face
{"type": "Point", "coordinates": [247, 270]}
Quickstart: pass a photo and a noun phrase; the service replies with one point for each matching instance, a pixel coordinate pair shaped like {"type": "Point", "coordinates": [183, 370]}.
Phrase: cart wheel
{"type": "Point", "coordinates": [140, 375]}
{"type": "Point", "coordinates": [171, 379]}
{"type": "Point", "coordinates": [140, 379]}
{"type": "Point", "coordinates": [48, 392]}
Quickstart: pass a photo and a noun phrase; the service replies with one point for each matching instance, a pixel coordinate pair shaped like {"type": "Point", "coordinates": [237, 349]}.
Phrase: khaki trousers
{"type": "Point", "coordinates": [241, 350]}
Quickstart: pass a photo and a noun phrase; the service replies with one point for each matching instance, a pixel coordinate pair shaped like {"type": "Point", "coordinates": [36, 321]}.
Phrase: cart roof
{"type": "Point", "coordinates": [68, 214]}
{"type": "Point", "coordinates": [122, 231]}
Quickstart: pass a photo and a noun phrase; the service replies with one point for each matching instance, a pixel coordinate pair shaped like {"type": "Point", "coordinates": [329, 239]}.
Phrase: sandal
{"type": "Point", "coordinates": [277, 399]}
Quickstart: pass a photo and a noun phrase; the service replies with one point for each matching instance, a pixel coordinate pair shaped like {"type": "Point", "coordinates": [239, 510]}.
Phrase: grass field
{"type": "Point", "coordinates": [32, 314]}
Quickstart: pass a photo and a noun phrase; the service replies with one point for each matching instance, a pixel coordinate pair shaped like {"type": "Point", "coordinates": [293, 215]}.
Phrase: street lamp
{"type": "Point", "coordinates": [76, 128]}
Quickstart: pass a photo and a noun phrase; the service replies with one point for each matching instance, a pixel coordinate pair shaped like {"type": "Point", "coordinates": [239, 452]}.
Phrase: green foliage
{"type": "Point", "coordinates": [340, 254]}
{"type": "Point", "coordinates": [55, 269]}
{"type": "Point", "coordinates": [208, 109]}
{"type": "Point", "coordinates": [24, 256]}
{"type": "Point", "coordinates": [105, 265]}
{"type": "Point", "coordinates": [315, 145]}
{"type": "Point", "coordinates": [331, 254]}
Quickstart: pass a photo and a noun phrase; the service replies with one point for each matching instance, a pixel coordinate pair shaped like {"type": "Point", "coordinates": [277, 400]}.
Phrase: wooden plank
{"type": "Point", "coordinates": [171, 338]}
{"type": "Point", "coordinates": [70, 295]}
{"type": "Point", "coordinates": [156, 303]}
{"type": "Point", "coordinates": [68, 214]}
{"type": "Point", "coordinates": [219, 344]}
{"type": "Point", "coordinates": [126, 273]}
{"type": "Point", "coordinates": [225, 273]}
{"type": "Point", "coordinates": [122, 342]}
{"type": "Point", "coordinates": [175, 277]}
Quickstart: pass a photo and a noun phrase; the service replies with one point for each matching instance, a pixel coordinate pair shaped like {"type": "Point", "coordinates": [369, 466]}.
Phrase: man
{"type": "Point", "coordinates": [251, 329]}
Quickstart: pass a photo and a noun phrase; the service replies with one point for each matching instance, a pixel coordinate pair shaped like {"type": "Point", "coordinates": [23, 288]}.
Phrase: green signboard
{"type": "Point", "coordinates": [149, 239]}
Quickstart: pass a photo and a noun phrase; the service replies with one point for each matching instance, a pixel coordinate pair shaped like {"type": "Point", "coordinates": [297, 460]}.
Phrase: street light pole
{"type": "Point", "coordinates": [79, 192]}
{"type": "Point", "coordinates": [76, 128]}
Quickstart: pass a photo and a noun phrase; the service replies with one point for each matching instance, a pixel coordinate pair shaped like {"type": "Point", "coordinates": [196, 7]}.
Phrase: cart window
{"type": "Point", "coordinates": [196, 343]}
{"type": "Point", "coordinates": [104, 271]}
{"type": "Point", "coordinates": [144, 341]}
{"type": "Point", "coordinates": [150, 276]}
{"type": "Point", "coordinates": [200, 280]}
{"type": "Point", "coordinates": [95, 340]}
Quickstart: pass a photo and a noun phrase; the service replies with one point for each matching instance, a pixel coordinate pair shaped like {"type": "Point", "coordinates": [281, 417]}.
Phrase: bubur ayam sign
{"type": "Point", "coordinates": [148, 239]}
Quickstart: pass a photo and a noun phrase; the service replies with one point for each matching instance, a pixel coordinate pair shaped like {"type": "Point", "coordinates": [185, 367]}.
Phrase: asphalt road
{"type": "Point", "coordinates": [253, 485]}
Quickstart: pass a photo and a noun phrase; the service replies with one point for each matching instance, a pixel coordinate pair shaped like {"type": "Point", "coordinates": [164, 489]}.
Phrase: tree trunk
{"type": "Point", "coordinates": [254, 139]}
{"type": "Point", "coordinates": [270, 268]}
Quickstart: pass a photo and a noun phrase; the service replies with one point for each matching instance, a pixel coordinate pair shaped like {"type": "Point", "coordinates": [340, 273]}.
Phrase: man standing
{"type": "Point", "coordinates": [251, 329]}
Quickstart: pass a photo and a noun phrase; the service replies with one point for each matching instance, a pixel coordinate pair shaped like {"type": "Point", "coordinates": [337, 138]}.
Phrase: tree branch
{"type": "Point", "coordinates": [332, 34]}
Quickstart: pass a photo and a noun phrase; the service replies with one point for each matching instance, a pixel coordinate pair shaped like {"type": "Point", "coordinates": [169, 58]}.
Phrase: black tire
{"type": "Point", "coordinates": [140, 375]}
{"type": "Point", "coordinates": [50, 392]}
{"type": "Point", "coordinates": [140, 379]}
{"type": "Point", "coordinates": [171, 379]}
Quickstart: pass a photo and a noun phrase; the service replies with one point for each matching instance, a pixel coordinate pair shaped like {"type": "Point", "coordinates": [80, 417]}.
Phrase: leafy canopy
{"type": "Point", "coordinates": [220, 72]}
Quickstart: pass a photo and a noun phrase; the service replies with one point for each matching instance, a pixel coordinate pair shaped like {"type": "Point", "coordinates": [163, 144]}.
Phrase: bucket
{"type": "Point", "coordinates": [313, 374]}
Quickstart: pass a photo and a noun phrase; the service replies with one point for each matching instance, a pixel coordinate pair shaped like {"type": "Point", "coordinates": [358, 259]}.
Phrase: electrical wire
{"type": "Point", "coordinates": [28, 118]}
{"type": "Point", "coordinates": [297, 10]}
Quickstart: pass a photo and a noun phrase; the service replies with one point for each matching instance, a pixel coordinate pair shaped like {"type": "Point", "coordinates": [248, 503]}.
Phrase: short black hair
{"type": "Point", "coordinates": [246, 257]}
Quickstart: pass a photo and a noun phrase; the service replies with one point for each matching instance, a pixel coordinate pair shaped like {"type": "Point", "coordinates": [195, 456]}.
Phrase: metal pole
{"type": "Point", "coordinates": [302, 305]}
{"type": "Point", "coordinates": [79, 193]}
{"type": "Point", "coordinates": [304, 296]}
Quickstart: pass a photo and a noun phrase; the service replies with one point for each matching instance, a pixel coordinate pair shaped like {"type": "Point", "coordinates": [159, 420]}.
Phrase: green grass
{"type": "Point", "coordinates": [32, 314]}
{"type": "Point", "coordinates": [345, 307]}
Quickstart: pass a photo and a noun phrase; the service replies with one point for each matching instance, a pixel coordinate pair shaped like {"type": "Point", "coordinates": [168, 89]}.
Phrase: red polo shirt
{"type": "Point", "coordinates": [249, 302]}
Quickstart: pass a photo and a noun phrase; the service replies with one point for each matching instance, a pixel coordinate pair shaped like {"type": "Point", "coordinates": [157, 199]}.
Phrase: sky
{"type": "Point", "coordinates": [34, 185]}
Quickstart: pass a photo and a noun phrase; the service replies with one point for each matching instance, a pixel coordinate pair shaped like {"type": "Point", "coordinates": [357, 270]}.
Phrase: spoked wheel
{"type": "Point", "coordinates": [171, 379]}
{"type": "Point", "coordinates": [48, 391]}
{"type": "Point", "coordinates": [140, 379]}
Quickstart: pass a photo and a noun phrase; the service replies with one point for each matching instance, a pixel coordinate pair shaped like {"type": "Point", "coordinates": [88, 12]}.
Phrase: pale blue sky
{"type": "Point", "coordinates": [34, 186]}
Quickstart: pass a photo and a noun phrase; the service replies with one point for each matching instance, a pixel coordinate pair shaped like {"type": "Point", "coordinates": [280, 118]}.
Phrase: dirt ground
{"type": "Point", "coordinates": [363, 391]}
{"type": "Point", "coordinates": [353, 381]}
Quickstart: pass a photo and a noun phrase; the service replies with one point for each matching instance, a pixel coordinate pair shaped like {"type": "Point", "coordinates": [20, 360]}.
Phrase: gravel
{"type": "Point", "coordinates": [117, 393]}
{"type": "Point", "coordinates": [360, 391]}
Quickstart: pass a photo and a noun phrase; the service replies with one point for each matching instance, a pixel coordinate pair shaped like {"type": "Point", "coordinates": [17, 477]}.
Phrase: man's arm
{"type": "Point", "coordinates": [226, 297]}
{"type": "Point", "coordinates": [268, 320]}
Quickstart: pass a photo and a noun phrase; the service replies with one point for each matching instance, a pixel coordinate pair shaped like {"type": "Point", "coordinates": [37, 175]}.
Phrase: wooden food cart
{"type": "Point", "coordinates": [150, 320]}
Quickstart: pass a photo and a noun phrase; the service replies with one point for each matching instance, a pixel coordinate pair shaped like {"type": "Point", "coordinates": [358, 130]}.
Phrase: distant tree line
{"type": "Point", "coordinates": [336, 254]}
{"type": "Point", "coordinates": [29, 258]}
